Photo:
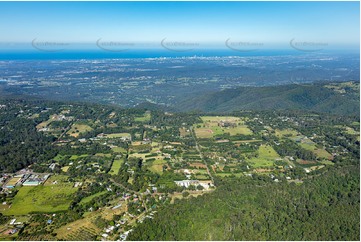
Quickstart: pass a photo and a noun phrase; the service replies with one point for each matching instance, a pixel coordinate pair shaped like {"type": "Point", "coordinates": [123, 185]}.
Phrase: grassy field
{"type": "Point", "coordinates": [217, 119]}
{"type": "Point", "coordinates": [203, 132]}
{"type": "Point", "coordinates": [240, 129]}
{"type": "Point", "coordinates": [88, 199]}
{"type": "Point", "coordinates": [58, 157]}
{"type": "Point", "coordinates": [75, 157]}
{"type": "Point", "coordinates": [65, 168]}
{"type": "Point", "coordinates": [81, 128]}
{"type": "Point", "coordinates": [119, 150]}
{"type": "Point", "coordinates": [74, 230]}
{"type": "Point", "coordinates": [229, 174]}
{"type": "Point", "coordinates": [46, 199]}
{"type": "Point", "coordinates": [45, 123]}
{"type": "Point", "coordinates": [247, 141]}
{"type": "Point", "coordinates": [13, 181]}
{"type": "Point", "coordinates": [191, 194]}
{"type": "Point", "coordinates": [157, 166]}
{"type": "Point", "coordinates": [145, 118]}
{"type": "Point", "coordinates": [183, 132]}
{"type": "Point", "coordinates": [85, 229]}
{"type": "Point", "coordinates": [202, 177]}
{"type": "Point", "coordinates": [266, 156]}
{"type": "Point", "coordinates": [351, 131]}
{"type": "Point", "coordinates": [286, 133]}
{"type": "Point", "coordinates": [118, 135]}
{"type": "Point", "coordinates": [56, 178]}
{"type": "Point", "coordinates": [210, 126]}
{"type": "Point", "coordinates": [209, 132]}
{"type": "Point", "coordinates": [320, 153]}
{"type": "Point", "coordinates": [103, 155]}
{"type": "Point", "coordinates": [138, 155]}
{"type": "Point", "coordinates": [116, 166]}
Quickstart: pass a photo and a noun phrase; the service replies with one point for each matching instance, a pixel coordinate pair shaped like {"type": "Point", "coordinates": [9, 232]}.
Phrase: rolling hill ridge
{"type": "Point", "coordinates": [336, 98]}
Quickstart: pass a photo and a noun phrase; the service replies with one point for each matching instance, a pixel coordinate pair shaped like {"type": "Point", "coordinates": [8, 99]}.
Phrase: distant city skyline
{"type": "Point", "coordinates": [182, 25]}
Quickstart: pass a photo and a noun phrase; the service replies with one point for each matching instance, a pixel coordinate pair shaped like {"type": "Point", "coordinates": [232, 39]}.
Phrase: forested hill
{"type": "Point", "coordinates": [336, 98]}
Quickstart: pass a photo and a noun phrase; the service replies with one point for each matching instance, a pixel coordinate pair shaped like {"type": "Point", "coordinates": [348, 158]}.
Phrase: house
{"type": "Point", "coordinates": [35, 180]}
{"type": "Point", "coordinates": [52, 166]}
{"type": "Point", "coordinates": [186, 183]}
{"type": "Point", "coordinates": [12, 221]}
{"type": "Point", "coordinates": [118, 206]}
{"type": "Point", "coordinates": [206, 184]}
{"type": "Point", "coordinates": [31, 183]}
{"type": "Point", "coordinates": [226, 124]}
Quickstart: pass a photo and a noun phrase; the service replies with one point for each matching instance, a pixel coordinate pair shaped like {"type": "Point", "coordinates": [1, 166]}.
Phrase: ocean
{"type": "Point", "coordinates": [99, 54]}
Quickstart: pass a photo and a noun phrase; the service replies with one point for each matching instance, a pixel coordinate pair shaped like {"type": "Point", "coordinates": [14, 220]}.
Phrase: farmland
{"type": "Point", "coordinates": [266, 156]}
{"type": "Point", "coordinates": [45, 199]}
{"type": "Point", "coordinates": [218, 125]}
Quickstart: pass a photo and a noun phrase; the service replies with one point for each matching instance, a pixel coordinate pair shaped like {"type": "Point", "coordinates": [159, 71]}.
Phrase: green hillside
{"type": "Point", "coordinates": [335, 98]}
{"type": "Point", "coordinates": [323, 208]}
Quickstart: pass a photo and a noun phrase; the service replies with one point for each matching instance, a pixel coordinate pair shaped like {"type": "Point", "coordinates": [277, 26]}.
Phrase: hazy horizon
{"type": "Point", "coordinates": [179, 26]}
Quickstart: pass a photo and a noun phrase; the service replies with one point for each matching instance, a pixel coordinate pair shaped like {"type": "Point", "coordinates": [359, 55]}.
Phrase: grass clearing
{"type": "Point", "coordinates": [13, 181]}
{"type": "Point", "coordinates": [103, 155]}
{"type": "Point", "coordinates": [223, 174]}
{"type": "Point", "coordinates": [286, 133]}
{"type": "Point", "coordinates": [44, 124]}
{"type": "Point", "coordinates": [78, 128]}
{"type": "Point", "coordinates": [45, 199]}
{"type": "Point", "coordinates": [266, 157]}
{"type": "Point", "coordinates": [217, 119]}
{"type": "Point", "coordinates": [65, 168]}
{"type": "Point", "coordinates": [183, 132]}
{"type": "Point", "coordinates": [218, 125]}
{"type": "Point", "coordinates": [88, 199]}
{"type": "Point", "coordinates": [75, 157]}
{"type": "Point", "coordinates": [247, 141]}
{"type": "Point", "coordinates": [145, 118]}
{"type": "Point", "coordinates": [157, 166]}
{"type": "Point", "coordinates": [116, 166]}
{"type": "Point", "coordinates": [58, 157]}
{"type": "Point", "coordinates": [118, 135]}
{"type": "Point", "coordinates": [73, 230]}
{"type": "Point", "coordinates": [320, 153]}
{"type": "Point", "coordinates": [119, 150]}
{"type": "Point", "coordinates": [203, 132]}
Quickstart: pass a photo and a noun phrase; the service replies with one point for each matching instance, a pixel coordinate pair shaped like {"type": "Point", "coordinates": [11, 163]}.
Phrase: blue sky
{"type": "Point", "coordinates": [271, 23]}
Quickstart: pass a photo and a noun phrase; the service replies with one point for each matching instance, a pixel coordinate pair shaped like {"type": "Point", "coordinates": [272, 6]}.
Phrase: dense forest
{"type": "Point", "coordinates": [325, 207]}
{"type": "Point", "coordinates": [20, 143]}
{"type": "Point", "coordinates": [320, 97]}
